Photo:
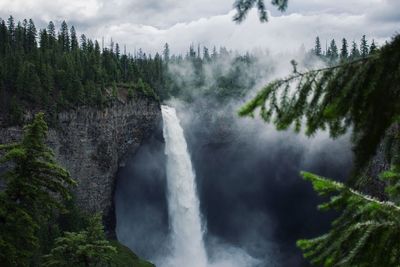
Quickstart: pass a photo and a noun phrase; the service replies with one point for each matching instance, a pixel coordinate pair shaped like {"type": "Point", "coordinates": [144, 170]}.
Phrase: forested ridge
{"type": "Point", "coordinates": [55, 70]}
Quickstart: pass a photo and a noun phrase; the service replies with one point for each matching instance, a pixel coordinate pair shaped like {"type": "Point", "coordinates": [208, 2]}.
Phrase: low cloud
{"type": "Point", "coordinates": [150, 24]}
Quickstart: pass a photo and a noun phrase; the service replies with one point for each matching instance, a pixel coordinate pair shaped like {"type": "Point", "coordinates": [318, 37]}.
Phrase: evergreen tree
{"type": "Point", "coordinates": [35, 186]}
{"type": "Point", "coordinates": [74, 39]}
{"type": "Point", "coordinates": [214, 54]}
{"type": "Point", "coordinates": [84, 43]}
{"type": "Point", "coordinates": [31, 36]}
{"type": "Point", "coordinates": [51, 30]}
{"type": "Point", "coordinates": [166, 53]}
{"type": "Point", "coordinates": [361, 94]}
{"type": "Point", "coordinates": [43, 40]}
{"type": "Point", "coordinates": [364, 51]}
{"type": "Point", "coordinates": [206, 54]}
{"type": "Point", "coordinates": [365, 232]}
{"type": "Point", "coordinates": [373, 48]}
{"type": "Point", "coordinates": [85, 248]}
{"type": "Point", "coordinates": [355, 53]}
{"type": "Point", "coordinates": [11, 30]}
{"type": "Point", "coordinates": [63, 37]}
{"type": "Point", "coordinates": [317, 48]}
{"type": "Point", "coordinates": [333, 51]}
{"type": "Point", "coordinates": [344, 53]}
{"type": "Point", "coordinates": [335, 98]}
{"type": "Point", "coordinates": [117, 51]}
{"type": "Point", "coordinates": [244, 6]}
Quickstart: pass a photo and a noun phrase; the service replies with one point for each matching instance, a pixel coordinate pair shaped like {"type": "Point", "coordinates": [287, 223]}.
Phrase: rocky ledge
{"type": "Point", "coordinates": [91, 144]}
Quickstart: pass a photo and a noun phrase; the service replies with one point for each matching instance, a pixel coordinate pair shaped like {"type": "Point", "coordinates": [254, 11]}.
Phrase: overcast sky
{"type": "Point", "coordinates": [150, 23]}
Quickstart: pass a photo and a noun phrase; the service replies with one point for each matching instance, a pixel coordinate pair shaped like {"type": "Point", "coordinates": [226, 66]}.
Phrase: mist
{"type": "Point", "coordinates": [254, 204]}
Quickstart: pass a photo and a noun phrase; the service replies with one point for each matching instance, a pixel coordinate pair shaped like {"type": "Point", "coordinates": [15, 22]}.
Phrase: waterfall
{"type": "Point", "coordinates": [183, 203]}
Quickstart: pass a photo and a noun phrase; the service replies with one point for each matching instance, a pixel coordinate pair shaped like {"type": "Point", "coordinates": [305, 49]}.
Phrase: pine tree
{"type": "Point", "coordinates": [35, 186]}
{"type": "Point", "coordinates": [373, 48]}
{"type": "Point", "coordinates": [364, 50]}
{"type": "Point", "coordinates": [317, 48]}
{"type": "Point", "coordinates": [63, 37]}
{"type": "Point", "coordinates": [365, 234]}
{"type": "Point", "coordinates": [51, 30]}
{"type": "Point", "coordinates": [214, 54]}
{"type": "Point", "coordinates": [344, 52]}
{"type": "Point", "coordinates": [355, 53]}
{"type": "Point", "coordinates": [166, 53]}
{"type": "Point", "coordinates": [333, 51]}
{"type": "Point", "coordinates": [85, 248]}
{"type": "Point", "coordinates": [11, 30]}
{"type": "Point", "coordinates": [43, 40]}
{"type": "Point", "coordinates": [206, 54]}
{"type": "Point", "coordinates": [361, 94]}
{"type": "Point", "coordinates": [74, 39]}
{"type": "Point", "coordinates": [335, 98]}
{"type": "Point", "coordinates": [244, 6]}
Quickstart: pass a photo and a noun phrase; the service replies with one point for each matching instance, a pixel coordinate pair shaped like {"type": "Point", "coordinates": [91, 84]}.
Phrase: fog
{"type": "Point", "coordinates": [253, 202]}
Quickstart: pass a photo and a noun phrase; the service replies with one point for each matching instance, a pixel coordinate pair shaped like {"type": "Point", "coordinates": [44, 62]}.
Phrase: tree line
{"type": "Point", "coordinates": [54, 70]}
{"type": "Point", "coordinates": [332, 54]}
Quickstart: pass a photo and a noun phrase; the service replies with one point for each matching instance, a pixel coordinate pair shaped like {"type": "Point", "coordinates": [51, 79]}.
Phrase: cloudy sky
{"type": "Point", "coordinates": [150, 23]}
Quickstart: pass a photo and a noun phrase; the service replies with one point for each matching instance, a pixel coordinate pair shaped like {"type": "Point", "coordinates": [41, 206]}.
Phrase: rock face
{"type": "Point", "coordinates": [370, 183]}
{"type": "Point", "coordinates": [91, 143]}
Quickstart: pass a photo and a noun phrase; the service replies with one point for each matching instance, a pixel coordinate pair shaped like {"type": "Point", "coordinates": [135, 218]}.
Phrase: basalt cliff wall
{"type": "Point", "coordinates": [91, 144]}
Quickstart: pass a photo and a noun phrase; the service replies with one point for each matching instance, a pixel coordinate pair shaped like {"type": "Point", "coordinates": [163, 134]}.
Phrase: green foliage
{"type": "Point", "coordinates": [332, 53]}
{"type": "Point", "coordinates": [317, 48]}
{"type": "Point", "coordinates": [244, 6]}
{"type": "Point", "coordinates": [18, 240]}
{"type": "Point", "coordinates": [126, 258]}
{"type": "Point", "coordinates": [365, 233]}
{"type": "Point", "coordinates": [62, 71]}
{"type": "Point", "coordinates": [85, 248]}
{"type": "Point", "coordinates": [143, 87]}
{"type": "Point", "coordinates": [114, 92]}
{"type": "Point", "coordinates": [130, 93]}
{"type": "Point", "coordinates": [221, 76]}
{"type": "Point", "coordinates": [35, 187]}
{"type": "Point", "coordinates": [362, 94]}
{"type": "Point", "coordinates": [15, 113]}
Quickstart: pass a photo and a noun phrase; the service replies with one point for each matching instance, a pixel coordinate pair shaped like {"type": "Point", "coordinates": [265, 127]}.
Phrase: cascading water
{"type": "Point", "coordinates": [183, 203]}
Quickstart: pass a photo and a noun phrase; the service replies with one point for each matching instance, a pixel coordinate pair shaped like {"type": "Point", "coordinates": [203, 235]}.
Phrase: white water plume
{"type": "Point", "coordinates": [183, 203]}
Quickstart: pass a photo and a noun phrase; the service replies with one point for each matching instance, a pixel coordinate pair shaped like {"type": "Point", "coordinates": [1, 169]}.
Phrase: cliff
{"type": "Point", "coordinates": [370, 183]}
{"type": "Point", "coordinates": [91, 144]}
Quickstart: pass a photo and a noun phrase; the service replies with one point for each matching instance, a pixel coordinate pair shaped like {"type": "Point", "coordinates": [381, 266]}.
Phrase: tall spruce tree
{"type": "Point", "coordinates": [74, 39]}
{"type": "Point", "coordinates": [344, 51]}
{"type": "Point", "coordinates": [373, 48]}
{"type": "Point", "coordinates": [35, 187]}
{"type": "Point", "coordinates": [333, 51]}
{"type": "Point", "coordinates": [355, 53]}
{"type": "Point", "coordinates": [166, 53]}
{"type": "Point", "coordinates": [317, 47]}
{"type": "Point", "coordinates": [63, 37]}
{"type": "Point", "coordinates": [364, 49]}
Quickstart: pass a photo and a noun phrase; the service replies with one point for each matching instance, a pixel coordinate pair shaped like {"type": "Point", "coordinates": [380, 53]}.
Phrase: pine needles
{"type": "Point", "coordinates": [363, 94]}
